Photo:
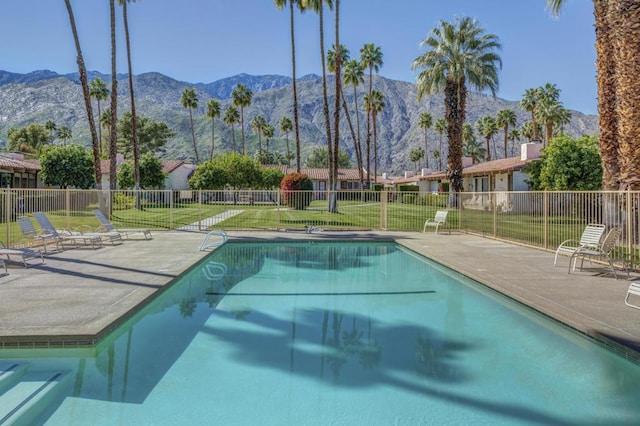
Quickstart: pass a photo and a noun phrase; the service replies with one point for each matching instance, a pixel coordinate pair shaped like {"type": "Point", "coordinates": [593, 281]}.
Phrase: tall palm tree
{"type": "Point", "coordinates": [134, 133]}
{"type": "Point", "coordinates": [285, 127]}
{"type": "Point", "coordinates": [473, 149]}
{"type": "Point", "coordinates": [374, 105]}
{"type": "Point", "coordinates": [98, 89]}
{"type": "Point", "coordinates": [459, 53]}
{"type": "Point", "coordinates": [425, 122]}
{"type": "Point", "coordinates": [514, 135]}
{"type": "Point", "coordinates": [242, 96]}
{"type": "Point", "coordinates": [213, 112]}
{"type": "Point", "coordinates": [529, 103]}
{"type": "Point", "coordinates": [257, 126]}
{"type": "Point", "coordinates": [371, 58]}
{"type": "Point", "coordinates": [82, 72]}
{"type": "Point", "coordinates": [231, 118]}
{"type": "Point", "coordinates": [268, 132]}
{"type": "Point", "coordinates": [113, 132]}
{"type": "Point", "coordinates": [64, 134]}
{"type": "Point", "coordinates": [189, 100]}
{"type": "Point", "coordinates": [608, 35]}
{"type": "Point", "coordinates": [440, 126]}
{"type": "Point", "coordinates": [300, 4]}
{"type": "Point", "coordinates": [415, 156]}
{"type": "Point", "coordinates": [487, 127]}
{"type": "Point", "coordinates": [506, 118]}
{"type": "Point", "coordinates": [333, 200]}
{"type": "Point", "coordinates": [51, 127]}
{"type": "Point", "coordinates": [550, 112]}
{"type": "Point", "coordinates": [354, 75]}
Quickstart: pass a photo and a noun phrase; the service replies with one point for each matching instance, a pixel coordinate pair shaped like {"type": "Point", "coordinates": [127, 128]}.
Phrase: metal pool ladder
{"type": "Point", "coordinates": [217, 242]}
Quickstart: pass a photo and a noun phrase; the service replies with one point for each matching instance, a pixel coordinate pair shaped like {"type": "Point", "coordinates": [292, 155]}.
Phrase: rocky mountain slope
{"type": "Point", "coordinates": [45, 95]}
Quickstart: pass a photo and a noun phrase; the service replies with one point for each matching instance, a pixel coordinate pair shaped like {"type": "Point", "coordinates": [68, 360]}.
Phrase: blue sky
{"type": "Point", "coordinates": [205, 40]}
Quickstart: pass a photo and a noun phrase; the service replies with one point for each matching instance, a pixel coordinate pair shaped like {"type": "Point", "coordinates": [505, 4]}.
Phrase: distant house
{"type": "Point", "coordinates": [347, 178]}
{"type": "Point", "coordinates": [178, 173]}
{"type": "Point", "coordinates": [16, 172]}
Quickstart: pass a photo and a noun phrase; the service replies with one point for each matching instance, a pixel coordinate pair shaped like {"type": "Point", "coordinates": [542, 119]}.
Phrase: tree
{"type": "Point", "coordinates": [242, 96]}
{"type": "Point", "coordinates": [82, 72]}
{"type": "Point", "coordinates": [441, 127]}
{"type": "Point", "coordinates": [152, 136]}
{"type": "Point", "coordinates": [374, 104]}
{"type": "Point", "coordinates": [280, 4]}
{"type": "Point", "coordinates": [30, 139]}
{"type": "Point", "coordinates": [213, 112]}
{"type": "Point", "coordinates": [151, 175]}
{"type": "Point", "coordinates": [134, 135]}
{"type": "Point", "coordinates": [231, 118]}
{"type": "Point", "coordinates": [189, 100]}
{"type": "Point", "coordinates": [415, 156]}
{"type": "Point", "coordinates": [98, 90]}
{"type": "Point", "coordinates": [568, 164]}
{"type": "Point", "coordinates": [319, 159]}
{"type": "Point", "coordinates": [230, 169]}
{"type": "Point", "coordinates": [506, 118]}
{"type": "Point", "coordinates": [487, 127]}
{"type": "Point", "coordinates": [514, 135]}
{"type": "Point", "coordinates": [296, 190]}
{"type": "Point", "coordinates": [257, 126]}
{"type": "Point", "coordinates": [370, 58]}
{"type": "Point", "coordinates": [472, 148]}
{"type": "Point", "coordinates": [424, 122]}
{"type": "Point", "coordinates": [67, 166]}
{"type": "Point", "coordinates": [529, 103]}
{"type": "Point", "coordinates": [64, 134]}
{"type": "Point", "coordinates": [458, 54]}
{"type": "Point", "coordinates": [51, 127]}
{"type": "Point", "coordinates": [354, 75]}
{"type": "Point", "coordinates": [285, 127]}
{"type": "Point", "coordinates": [268, 131]}
{"type": "Point", "coordinates": [271, 178]}
{"type": "Point", "coordinates": [113, 133]}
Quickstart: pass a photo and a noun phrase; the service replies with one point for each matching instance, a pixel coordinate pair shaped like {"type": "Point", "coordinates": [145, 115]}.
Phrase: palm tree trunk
{"type": "Point", "coordinates": [134, 135]}
{"type": "Point", "coordinates": [506, 140]}
{"type": "Point", "coordinates": [455, 99]}
{"type": "Point", "coordinates": [244, 150]}
{"type": "Point", "coordinates": [82, 71]}
{"type": "Point", "coordinates": [358, 142]}
{"type": "Point", "coordinates": [295, 90]}
{"type": "Point", "coordinates": [114, 101]}
{"type": "Point", "coordinates": [333, 205]}
{"type": "Point", "coordinates": [325, 100]}
{"type": "Point", "coordinates": [193, 137]}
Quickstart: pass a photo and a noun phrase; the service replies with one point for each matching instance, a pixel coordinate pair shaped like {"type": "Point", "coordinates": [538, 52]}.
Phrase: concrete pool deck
{"type": "Point", "coordinates": [79, 295]}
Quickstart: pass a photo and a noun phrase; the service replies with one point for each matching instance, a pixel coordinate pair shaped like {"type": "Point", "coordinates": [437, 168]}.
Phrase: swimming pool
{"type": "Point", "coordinates": [337, 333]}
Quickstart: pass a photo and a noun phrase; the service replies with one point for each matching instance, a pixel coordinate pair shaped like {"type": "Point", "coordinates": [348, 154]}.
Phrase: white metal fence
{"type": "Point", "coordinates": [538, 219]}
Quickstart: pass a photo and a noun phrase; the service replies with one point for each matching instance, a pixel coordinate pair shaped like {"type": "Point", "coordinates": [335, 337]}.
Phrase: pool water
{"type": "Point", "coordinates": [338, 334]}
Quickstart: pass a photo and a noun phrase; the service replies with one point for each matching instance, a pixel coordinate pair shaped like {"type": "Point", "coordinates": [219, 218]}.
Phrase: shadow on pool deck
{"type": "Point", "coordinates": [78, 295]}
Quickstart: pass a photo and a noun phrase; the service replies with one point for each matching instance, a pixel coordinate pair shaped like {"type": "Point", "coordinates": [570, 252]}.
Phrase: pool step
{"type": "Point", "coordinates": [10, 374]}
{"type": "Point", "coordinates": [33, 393]}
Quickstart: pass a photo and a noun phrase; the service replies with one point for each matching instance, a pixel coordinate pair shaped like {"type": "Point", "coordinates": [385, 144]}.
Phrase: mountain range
{"type": "Point", "coordinates": [44, 95]}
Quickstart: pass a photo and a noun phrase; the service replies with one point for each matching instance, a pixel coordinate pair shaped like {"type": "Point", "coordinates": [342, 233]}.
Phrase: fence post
{"type": "Point", "coordinates": [170, 210]}
{"type": "Point", "coordinates": [629, 224]}
{"type": "Point", "coordinates": [494, 208]}
{"type": "Point", "coordinates": [7, 213]}
{"type": "Point", "coordinates": [545, 219]}
{"type": "Point", "coordinates": [200, 210]}
{"type": "Point", "coordinates": [383, 209]}
{"type": "Point", "coordinates": [278, 211]}
{"type": "Point", "coordinates": [67, 206]}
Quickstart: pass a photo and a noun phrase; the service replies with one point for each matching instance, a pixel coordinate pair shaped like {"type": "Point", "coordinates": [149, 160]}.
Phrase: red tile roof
{"type": "Point", "coordinates": [318, 173]}
{"type": "Point", "coordinates": [15, 165]}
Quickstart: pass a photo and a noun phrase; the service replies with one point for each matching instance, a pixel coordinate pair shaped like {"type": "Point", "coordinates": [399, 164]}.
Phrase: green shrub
{"type": "Point", "coordinates": [296, 190]}
{"type": "Point", "coordinates": [122, 201]}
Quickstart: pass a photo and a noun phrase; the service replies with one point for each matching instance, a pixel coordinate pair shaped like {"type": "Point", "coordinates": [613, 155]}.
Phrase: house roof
{"type": "Point", "coordinates": [502, 165]}
{"type": "Point", "coordinates": [15, 165]}
{"type": "Point", "coordinates": [319, 173]}
{"type": "Point", "coordinates": [170, 165]}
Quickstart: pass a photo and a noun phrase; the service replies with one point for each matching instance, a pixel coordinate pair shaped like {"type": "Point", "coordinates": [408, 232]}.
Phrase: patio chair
{"type": "Point", "coordinates": [65, 236]}
{"type": "Point", "coordinates": [124, 232]}
{"type": "Point", "coordinates": [604, 251]}
{"type": "Point", "coordinates": [29, 232]}
{"type": "Point", "coordinates": [440, 219]}
{"type": "Point", "coordinates": [24, 253]}
{"type": "Point", "coordinates": [591, 237]}
{"type": "Point", "coordinates": [634, 290]}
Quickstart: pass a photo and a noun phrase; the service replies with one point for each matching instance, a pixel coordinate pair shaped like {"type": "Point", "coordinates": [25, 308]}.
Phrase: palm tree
{"type": "Point", "coordinates": [506, 118]}
{"type": "Point", "coordinates": [82, 72]}
{"type": "Point", "coordinates": [425, 121]}
{"type": "Point", "coordinates": [473, 148]}
{"type": "Point", "coordinates": [529, 103]}
{"type": "Point", "coordinates": [257, 126]}
{"type": "Point", "coordinates": [242, 96]}
{"type": "Point", "coordinates": [231, 118]}
{"type": "Point", "coordinates": [113, 133]}
{"type": "Point", "coordinates": [415, 156]}
{"type": "Point", "coordinates": [436, 156]}
{"type": "Point", "coordinates": [441, 127]}
{"type": "Point", "coordinates": [354, 75]}
{"type": "Point", "coordinates": [459, 53]}
{"type": "Point", "coordinates": [134, 134]}
{"type": "Point", "coordinates": [550, 113]}
{"type": "Point", "coordinates": [64, 134]}
{"type": "Point", "coordinates": [285, 127]}
{"type": "Point", "coordinates": [51, 127]}
{"type": "Point", "coordinates": [374, 104]}
{"type": "Point", "coordinates": [280, 4]}
{"type": "Point", "coordinates": [189, 100]}
{"type": "Point", "coordinates": [213, 112]}
{"type": "Point", "coordinates": [268, 131]}
{"type": "Point", "coordinates": [370, 58]}
{"type": "Point", "coordinates": [98, 89]}
{"type": "Point", "coordinates": [487, 127]}
{"type": "Point", "coordinates": [514, 135]}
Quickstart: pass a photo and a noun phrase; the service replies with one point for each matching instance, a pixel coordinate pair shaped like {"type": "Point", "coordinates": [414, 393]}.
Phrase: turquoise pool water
{"type": "Point", "coordinates": [338, 334]}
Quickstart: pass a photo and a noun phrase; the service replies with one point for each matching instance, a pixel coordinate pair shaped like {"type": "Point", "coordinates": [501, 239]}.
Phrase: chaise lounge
{"type": "Point", "coordinates": [124, 232]}
{"type": "Point", "coordinates": [23, 253]}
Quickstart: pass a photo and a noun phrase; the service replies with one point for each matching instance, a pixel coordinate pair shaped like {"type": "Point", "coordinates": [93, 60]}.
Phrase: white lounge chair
{"type": "Point", "coordinates": [634, 290]}
{"type": "Point", "coordinates": [64, 236]}
{"type": "Point", "coordinates": [602, 252]}
{"type": "Point", "coordinates": [439, 220]}
{"type": "Point", "coordinates": [124, 232]}
{"type": "Point", "coordinates": [24, 253]}
{"type": "Point", "coordinates": [591, 237]}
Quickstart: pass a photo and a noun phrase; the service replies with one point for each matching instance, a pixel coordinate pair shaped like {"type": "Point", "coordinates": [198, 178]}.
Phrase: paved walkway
{"type": "Point", "coordinates": [210, 221]}
{"type": "Point", "coordinates": [81, 294]}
